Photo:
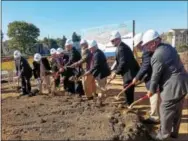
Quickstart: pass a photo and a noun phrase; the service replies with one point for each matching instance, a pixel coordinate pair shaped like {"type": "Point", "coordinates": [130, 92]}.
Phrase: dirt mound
{"type": "Point", "coordinates": [67, 117]}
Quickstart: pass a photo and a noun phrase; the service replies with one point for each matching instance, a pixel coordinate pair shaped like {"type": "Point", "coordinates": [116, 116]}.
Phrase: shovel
{"type": "Point", "coordinates": [128, 86]}
{"type": "Point", "coordinates": [138, 101]}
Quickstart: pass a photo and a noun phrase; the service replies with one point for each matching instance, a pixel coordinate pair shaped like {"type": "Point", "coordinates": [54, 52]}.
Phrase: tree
{"type": "Point", "coordinates": [182, 48]}
{"type": "Point", "coordinates": [52, 43]}
{"type": "Point", "coordinates": [22, 35]}
{"type": "Point", "coordinates": [75, 37]}
{"type": "Point", "coordinates": [61, 42]}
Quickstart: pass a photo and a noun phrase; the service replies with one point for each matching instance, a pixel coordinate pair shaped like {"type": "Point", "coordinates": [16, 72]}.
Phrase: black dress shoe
{"type": "Point", "coordinates": [150, 121]}
{"type": "Point", "coordinates": [23, 94]}
{"type": "Point", "coordinates": [173, 136]}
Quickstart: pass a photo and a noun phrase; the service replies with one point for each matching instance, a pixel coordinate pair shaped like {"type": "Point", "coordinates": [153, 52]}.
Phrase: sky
{"type": "Point", "coordinates": [58, 18]}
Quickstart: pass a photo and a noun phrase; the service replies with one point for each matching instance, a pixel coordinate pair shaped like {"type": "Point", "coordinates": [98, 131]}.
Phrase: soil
{"type": "Point", "coordinates": [65, 117]}
{"type": "Point", "coordinates": [68, 117]}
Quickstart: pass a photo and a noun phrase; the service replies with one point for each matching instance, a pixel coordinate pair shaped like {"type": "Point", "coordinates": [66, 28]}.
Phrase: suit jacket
{"type": "Point", "coordinates": [74, 56]}
{"type": "Point", "coordinates": [36, 67]}
{"type": "Point", "coordinates": [24, 68]}
{"type": "Point", "coordinates": [145, 69]}
{"type": "Point", "coordinates": [86, 58]}
{"type": "Point", "coordinates": [168, 73]}
{"type": "Point", "coordinates": [126, 64]}
{"type": "Point", "coordinates": [100, 67]}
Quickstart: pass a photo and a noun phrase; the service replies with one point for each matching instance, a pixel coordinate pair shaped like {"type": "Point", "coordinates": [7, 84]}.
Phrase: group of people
{"type": "Point", "coordinates": [161, 69]}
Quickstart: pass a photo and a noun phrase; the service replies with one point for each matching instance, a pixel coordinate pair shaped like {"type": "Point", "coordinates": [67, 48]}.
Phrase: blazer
{"type": "Point", "coordinates": [24, 68]}
{"type": "Point", "coordinates": [99, 67]}
{"type": "Point", "coordinates": [126, 64]}
{"type": "Point", "coordinates": [169, 73]}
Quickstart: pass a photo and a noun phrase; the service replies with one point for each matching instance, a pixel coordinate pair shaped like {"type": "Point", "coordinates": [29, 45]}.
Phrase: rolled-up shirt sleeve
{"type": "Point", "coordinates": [157, 68]}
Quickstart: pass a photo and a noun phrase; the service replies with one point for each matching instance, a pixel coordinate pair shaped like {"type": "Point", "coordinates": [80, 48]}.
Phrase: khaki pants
{"type": "Point", "coordinates": [45, 83]}
{"type": "Point", "coordinates": [89, 85]}
{"type": "Point", "coordinates": [154, 104]}
{"type": "Point", "coordinates": [101, 83]}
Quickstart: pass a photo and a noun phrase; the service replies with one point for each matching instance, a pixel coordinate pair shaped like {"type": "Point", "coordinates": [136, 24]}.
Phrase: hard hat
{"type": "Point", "coordinates": [115, 35]}
{"type": "Point", "coordinates": [37, 57]}
{"type": "Point", "coordinates": [17, 54]}
{"type": "Point", "coordinates": [137, 39]}
{"type": "Point", "coordinates": [92, 43]}
{"type": "Point", "coordinates": [149, 35]}
{"type": "Point", "coordinates": [68, 42]}
{"type": "Point", "coordinates": [83, 42]}
{"type": "Point", "coordinates": [60, 50]}
{"type": "Point", "coordinates": [52, 51]}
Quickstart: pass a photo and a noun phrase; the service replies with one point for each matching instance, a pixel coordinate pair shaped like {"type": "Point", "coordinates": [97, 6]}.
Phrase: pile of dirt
{"type": "Point", "coordinates": [66, 117]}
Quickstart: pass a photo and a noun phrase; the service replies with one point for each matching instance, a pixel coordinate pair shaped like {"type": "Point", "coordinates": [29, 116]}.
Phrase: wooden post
{"type": "Point", "coordinates": [134, 49]}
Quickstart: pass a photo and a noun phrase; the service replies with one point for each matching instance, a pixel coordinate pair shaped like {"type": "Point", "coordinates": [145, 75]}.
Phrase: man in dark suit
{"type": "Point", "coordinates": [23, 71]}
{"type": "Point", "coordinates": [126, 65]}
{"type": "Point", "coordinates": [146, 70]}
{"type": "Point", "coordinates": [41, 71]}
{"type": "Point", "coordinates": [74, 56]}
{"type": "Point", "coordinates": [99, 67]}
{"type": "Point", "coordinates": [87, 81]}
{"type": "Point", "coordinates": [169, 74]}
{"type": "Point", "coordinates": [62, 59]}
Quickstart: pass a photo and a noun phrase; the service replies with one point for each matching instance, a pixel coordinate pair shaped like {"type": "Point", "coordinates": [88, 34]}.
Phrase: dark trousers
{"type": "Point", "coordinates": [68, 85]}
{"type": "Point", "coordinates": [79, 88]}
{"type": "Point", "coordinates": [129, 95]}
{"type": "Point", "coordinates": [26, 85]}
{"type": "Point", "coordinates": [57, 82]}
{"type": "Point", "coordinates": [170, 117]}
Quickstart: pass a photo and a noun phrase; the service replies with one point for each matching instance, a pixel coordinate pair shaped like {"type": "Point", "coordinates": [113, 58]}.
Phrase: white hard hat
{"type": "Point", "coordinates": [68, 42]}
{"type": "Point", "coordinates": [115, 35]}
{"type": "Point", "coordinates": [92, 43]}
{"type": "Point", "coordinates": [52, 51]}
{"type": "Point", "coordinates": [60, 50]}
{"type": "Point", "coordinates": [149, 35]}
{"type": "Point", "coordinates": [83, 42]}
{"type": "Point", "coordinates": [137, 39]}
{"type": "Point", "coordinates": [37, 57]}
{"type": "Point", "coordinates": [17, 54]}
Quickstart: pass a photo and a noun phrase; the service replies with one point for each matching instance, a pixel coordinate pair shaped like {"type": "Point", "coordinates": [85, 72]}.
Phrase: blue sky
{"type": "Point", "coordinates": [57, 18]}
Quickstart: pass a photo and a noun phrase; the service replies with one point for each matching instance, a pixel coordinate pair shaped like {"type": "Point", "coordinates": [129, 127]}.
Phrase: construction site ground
{"type": "Point", "coordinates": [65, 117]}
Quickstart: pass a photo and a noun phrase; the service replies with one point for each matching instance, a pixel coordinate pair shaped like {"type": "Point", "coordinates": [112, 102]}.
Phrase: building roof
{"type": "Point", "coordinates": [179, 31]}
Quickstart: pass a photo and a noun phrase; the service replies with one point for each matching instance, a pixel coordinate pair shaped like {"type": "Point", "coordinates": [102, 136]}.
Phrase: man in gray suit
{"type": "Point", "coordinates": [168, 72]}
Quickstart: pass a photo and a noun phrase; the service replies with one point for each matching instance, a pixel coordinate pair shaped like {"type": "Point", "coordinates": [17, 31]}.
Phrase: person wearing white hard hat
{"type": "Point", "coordinates": [74, 56]}
{"type": "Point", "coordinates": [98, 68]}
{"type": "Point", "coordinates": [41, 71]}
{"type": "Point", "coordinates": [55, 70]}
{"type": "Point", "coordinates": [23, 71]}
{"type": "Point", "coordinates": [62, 59]}
{"type": "Point", "coordinates": [87, 81]}
{"type": "Point", "coordinates": [126, 65]}
{"type": "Point", "coordinates": [169, 74]}
{"type": "Point", "coordinates": [145, 75]}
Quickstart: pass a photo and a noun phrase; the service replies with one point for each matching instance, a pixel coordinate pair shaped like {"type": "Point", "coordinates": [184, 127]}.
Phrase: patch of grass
{"type": "Point", "coordinates": [10, 65]}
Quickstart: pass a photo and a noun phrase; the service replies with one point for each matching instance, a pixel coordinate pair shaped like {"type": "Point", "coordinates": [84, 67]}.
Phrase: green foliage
{"type": "Point", "coordinates": [182, 48]}
{"type": "Point", "coordinates": [75, 37]}
{"type": "Point", "coordinates": [61, 42]}
{"type": "Point", "coordinates": [22, 35]}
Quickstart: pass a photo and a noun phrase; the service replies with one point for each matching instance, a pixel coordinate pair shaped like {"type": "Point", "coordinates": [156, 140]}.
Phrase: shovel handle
{"type": "Point", "coordinates": [127, 87]}
{"type": "Point", "coordinates": [139, 100]}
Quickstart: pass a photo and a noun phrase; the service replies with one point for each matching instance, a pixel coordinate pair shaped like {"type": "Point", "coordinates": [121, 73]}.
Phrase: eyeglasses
{"type": "Point", "coordinates": [113, 41]}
